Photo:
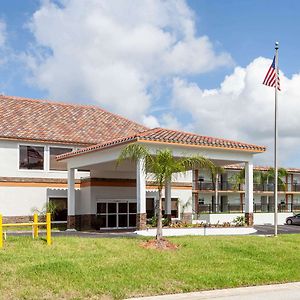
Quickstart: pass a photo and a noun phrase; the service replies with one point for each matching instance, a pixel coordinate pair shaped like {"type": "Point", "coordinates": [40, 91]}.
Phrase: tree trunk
{"type": "Point", "coordinates": [159, 216]}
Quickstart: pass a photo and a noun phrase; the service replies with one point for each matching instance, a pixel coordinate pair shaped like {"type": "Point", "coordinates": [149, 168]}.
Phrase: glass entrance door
{"type": "Point", "coordinates": [115, 215]}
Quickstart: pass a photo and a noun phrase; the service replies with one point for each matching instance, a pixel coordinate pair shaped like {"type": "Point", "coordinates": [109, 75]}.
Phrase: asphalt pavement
{"type": "Point", "coordinates": [261, 230]}
{"type": "Point", "coordinates": [282, 229]}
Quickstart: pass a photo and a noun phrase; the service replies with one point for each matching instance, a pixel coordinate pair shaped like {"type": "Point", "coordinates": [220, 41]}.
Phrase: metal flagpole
{"type": "Point", "coordinates": [275, 144]}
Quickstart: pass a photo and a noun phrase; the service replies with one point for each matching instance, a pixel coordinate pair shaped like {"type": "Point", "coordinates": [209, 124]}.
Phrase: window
{"type": "Point", "coordinates": [201, 201]}
{"type": "Point", "coordinates": [31, 157]}
{"type": "Point", "coordinates": [116, 214]}
{"type": "Point", "coordinates": [60, 208]}
{"type": "Point", "coordinates": [150, 208]}
{"type": "Point", "coordinates": [58, 165]}
{"type": "Point", "coordinates": [174, 207]}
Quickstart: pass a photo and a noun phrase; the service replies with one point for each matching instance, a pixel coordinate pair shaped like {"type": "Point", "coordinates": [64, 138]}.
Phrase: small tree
{"type": "Point", "coordinates": [282, 173]}
{"type": "Point", "coordinates": [162, 165]}
{"type": "Point", "coordinates": [238, 179]}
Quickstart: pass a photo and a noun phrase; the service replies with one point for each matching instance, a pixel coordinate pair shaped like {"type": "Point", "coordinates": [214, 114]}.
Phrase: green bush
{"type": "Point", "coordinates": [239, 221]}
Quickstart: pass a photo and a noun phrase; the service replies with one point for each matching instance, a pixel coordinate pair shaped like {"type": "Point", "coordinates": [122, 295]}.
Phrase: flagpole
{"type": "Point", "coordinates": [275, 144]}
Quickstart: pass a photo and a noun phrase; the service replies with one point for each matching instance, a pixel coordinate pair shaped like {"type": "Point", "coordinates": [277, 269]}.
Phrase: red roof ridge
{"type": "Point", "coordinates": [151, 130]}
{"type": "Point", "coordinates": [55, 102]}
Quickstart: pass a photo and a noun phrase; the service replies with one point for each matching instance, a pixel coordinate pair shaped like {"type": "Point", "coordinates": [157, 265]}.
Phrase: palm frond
{"type": "Point", "coordinates": [197, 162]}
{"type": "Point", "coordinates": [133, 152]}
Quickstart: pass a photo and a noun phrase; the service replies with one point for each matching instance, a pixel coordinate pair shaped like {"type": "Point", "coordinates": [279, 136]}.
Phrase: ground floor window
{"type": "Point", "coordinates": [60, 208]}
{"type": "Point", "coordinates": [150, 207]}
{"type": "Point", "coordinates": [119, 214]}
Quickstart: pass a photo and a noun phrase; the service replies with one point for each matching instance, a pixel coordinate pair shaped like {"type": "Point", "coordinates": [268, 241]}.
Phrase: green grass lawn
{"type": "Point", "coordinates": [84, 268]}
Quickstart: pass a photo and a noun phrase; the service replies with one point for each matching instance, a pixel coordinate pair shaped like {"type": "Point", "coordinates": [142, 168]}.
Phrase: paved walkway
{"type": "Point", "coordinates": [288, 291]}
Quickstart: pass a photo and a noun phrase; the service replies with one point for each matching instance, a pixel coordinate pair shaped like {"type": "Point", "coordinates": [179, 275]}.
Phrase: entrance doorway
{"type": "Point", "coordinates": [116, 214]}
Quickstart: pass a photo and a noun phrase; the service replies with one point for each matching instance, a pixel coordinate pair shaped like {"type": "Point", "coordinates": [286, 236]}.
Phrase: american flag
{"type": "Point", "coordinates": [270, 79]}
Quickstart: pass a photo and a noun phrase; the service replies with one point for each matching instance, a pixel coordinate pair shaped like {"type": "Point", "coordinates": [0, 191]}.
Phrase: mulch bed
{"type": "Point", "coordinates": [163, 244]}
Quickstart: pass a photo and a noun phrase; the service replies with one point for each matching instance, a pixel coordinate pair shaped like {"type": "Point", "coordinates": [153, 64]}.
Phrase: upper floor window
{"type": "Point", "coordinates": [31, 157]}
{"type": "Point", "coordinates": [58, 165]}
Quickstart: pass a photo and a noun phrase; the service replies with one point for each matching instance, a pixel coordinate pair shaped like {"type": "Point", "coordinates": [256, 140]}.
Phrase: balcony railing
{"type": "Point", "coordinates": [239, 208]}
{"type": "Point", "coordinates": [222, 186]}
{"type": "Point", "coordinates": [257, 187]}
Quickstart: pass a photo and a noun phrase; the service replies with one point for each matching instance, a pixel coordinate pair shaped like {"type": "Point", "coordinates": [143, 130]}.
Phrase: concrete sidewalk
{"type": "Point", "coordinates": [287, 291]}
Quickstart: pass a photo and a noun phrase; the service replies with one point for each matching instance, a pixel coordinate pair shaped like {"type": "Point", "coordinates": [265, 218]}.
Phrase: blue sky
{"type": "Point", "coordinates": [246, 29]}
{"type": "Point", "coordinates": [238, 32]}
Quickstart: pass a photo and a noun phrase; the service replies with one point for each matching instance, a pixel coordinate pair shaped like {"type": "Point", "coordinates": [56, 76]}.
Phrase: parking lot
{"type": "Point", "coordinates": [282, 229]}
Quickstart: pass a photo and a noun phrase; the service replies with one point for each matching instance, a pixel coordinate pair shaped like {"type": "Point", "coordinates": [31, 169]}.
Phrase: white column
{"type": "Point", "coordinates": [71, 192]}
{"type": "Point", "coordinates": [249, 187]}
{"type": "Point", "coordinates": [141, 186]}
{"type": "Point", "coordinates": [168, 198]}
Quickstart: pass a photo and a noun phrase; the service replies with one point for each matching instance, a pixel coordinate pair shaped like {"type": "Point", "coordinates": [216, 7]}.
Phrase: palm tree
{"type": "Point", "coordinates": [282, 173]}
{"type": "Point", "coordinates": [162, 165]}
{"type": "Point", "coordinates": [260, 177]}
{"type": "Point", "coordinates": [238, 179]}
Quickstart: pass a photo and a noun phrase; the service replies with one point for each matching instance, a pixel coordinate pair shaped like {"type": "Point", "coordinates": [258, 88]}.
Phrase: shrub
{"type": "Point", "coordinates": [239, 221]}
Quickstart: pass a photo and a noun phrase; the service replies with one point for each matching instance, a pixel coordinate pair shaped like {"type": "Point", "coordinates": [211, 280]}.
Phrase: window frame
{"type": "Point", "coordinates": [117, 213]}
{"type": "Point", "coordinates": [32, 145]}
{"type": "Point", "coordinates": [49, 157]}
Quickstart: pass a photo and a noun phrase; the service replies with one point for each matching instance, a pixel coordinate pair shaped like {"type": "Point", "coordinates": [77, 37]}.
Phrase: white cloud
{"type": "Point", "coordinates": [116, 52]}
{"type": "Point", "coordinates": [150, 121]}
{"type": "Point", "coordinates": [243, 109]}
{"type": "Point", "coordinates": [166, 120]}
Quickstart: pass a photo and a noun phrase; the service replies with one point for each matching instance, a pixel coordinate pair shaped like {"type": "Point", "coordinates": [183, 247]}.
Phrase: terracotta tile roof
{"type": "Point", "coordinates": [162, 135]}
{"type": "Point", "coordinates": [239, 167]}
{"type": "Point", "coordinates": [181, 137]}
{"type": "Point", "coordinates": [40, 120]}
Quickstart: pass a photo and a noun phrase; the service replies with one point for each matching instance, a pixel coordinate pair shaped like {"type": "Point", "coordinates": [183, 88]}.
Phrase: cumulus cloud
{"type": "Point", "coordinates": [115, 53]}
{"type": "Point", "coordinates": [243, 109]}
{"type": "Point", "coordinates": [166, 120]}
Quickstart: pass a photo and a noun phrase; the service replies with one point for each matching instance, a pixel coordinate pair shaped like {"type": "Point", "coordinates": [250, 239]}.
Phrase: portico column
{"type": "Point", "coordinates": [249, 193]}
{"type": "Point", "coordinates": [141, 216]}
{"type": "Point", "coordinates": [168, 199]}
{"type": "Point", "coordinates": [71, 199]}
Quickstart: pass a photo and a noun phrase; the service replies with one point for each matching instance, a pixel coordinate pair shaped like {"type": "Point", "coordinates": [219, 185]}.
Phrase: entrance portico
{"type": "Point", "coordinates": [113, 195]}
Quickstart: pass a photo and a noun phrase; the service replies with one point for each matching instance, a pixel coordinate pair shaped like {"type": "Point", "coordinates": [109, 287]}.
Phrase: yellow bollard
{"type": "Point", "coordinates": [35, 226]}
{"type": "Point", "coordinates": [1, 233]}
{"type": "Point", "coordinates": [48, 224]}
